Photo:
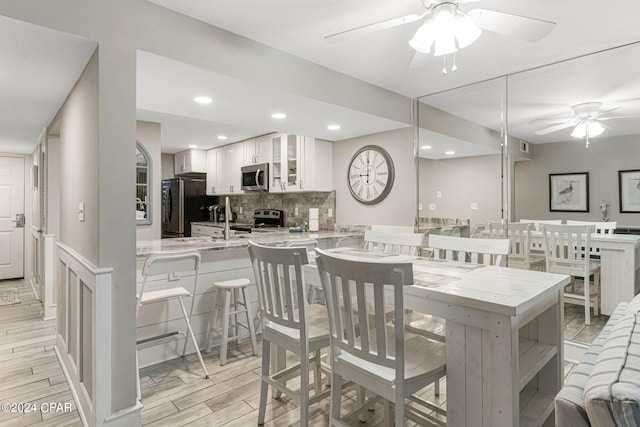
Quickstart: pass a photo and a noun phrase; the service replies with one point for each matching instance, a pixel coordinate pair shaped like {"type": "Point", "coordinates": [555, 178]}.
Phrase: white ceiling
{"type": "Point", "coordinates": [41, 65]}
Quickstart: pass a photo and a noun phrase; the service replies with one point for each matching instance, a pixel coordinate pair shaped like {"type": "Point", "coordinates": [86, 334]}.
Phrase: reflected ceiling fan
{"type": "Point", "coordinates": [587, 121]}
{"type": "Point", "coordinates": [448, 28]}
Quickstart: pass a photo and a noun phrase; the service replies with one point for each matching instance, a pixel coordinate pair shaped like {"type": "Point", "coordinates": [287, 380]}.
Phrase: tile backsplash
{"type": "Point", "coordinates": [287, 202]}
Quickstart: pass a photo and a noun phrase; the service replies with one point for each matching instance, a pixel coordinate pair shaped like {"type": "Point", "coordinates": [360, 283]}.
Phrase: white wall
{"type": "Point", "coordinates": [461, 182]}
{"type": "Point", "coordinates": [149, 137]}
{"type": "Point", "coordinates": [168, 166]}
{"type": "Point", "coordinates": [399, 208]}
{"type": "Point", "coordinates": [603, 159]}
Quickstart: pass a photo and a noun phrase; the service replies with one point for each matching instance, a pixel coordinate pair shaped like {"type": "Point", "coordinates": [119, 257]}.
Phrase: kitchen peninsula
{"type": "Point", "coordinates": [221, 260]}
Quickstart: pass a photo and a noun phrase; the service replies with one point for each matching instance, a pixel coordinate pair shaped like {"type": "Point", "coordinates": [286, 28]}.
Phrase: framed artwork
{"type": "Point", "coordinates": [629, 188]}
{"type": "Point", "coordinates": [569, 192]}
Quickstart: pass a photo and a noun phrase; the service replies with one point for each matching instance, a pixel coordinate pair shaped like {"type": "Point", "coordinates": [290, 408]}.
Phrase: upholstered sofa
{"type": "Point", "coordinates": [604, 388]}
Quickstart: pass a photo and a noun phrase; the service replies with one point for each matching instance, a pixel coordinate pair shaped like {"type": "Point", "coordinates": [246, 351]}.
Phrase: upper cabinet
{"type": "Point", "coordinates": [301, 163]}
{"type": "Point", "coordinates": [223, 169]}
{"type": "Point", "coordinates": [190, 161]}
{"type": "Point", "coordinates": [257, 150]}
{"type": "Point", "coordinates": [296, 163]}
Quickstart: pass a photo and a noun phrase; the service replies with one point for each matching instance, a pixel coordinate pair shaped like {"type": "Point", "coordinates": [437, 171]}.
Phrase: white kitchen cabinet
{"type": "Point", "coordinates": [190, 161]}
{"type": "Point", "coordinates": [317, 165]}
{"type": "Point", "coordinates": [233, 160]}
{"type": "Point", "coordinates": [257, 150]}
{"type": "Point", "coordinates": [215, 171]}
{"type": "Point", "coordinates": [301, 163]}
{"type": "Point", "coordinates": [286, 159]}
{"type": "Point", "coordinates": [223, 169]}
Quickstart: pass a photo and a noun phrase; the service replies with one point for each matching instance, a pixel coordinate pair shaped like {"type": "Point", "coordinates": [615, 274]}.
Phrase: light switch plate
{"type": "Point", "coordinates": [240, 209]}
{"type": "Point", "coordinates": [474, 205]}
{"type": "Point", "coordinates": [295, 211]}
{"type": "Point", "coordinates": [420, 206]}
{"type": "Point", "coordinates": [439, 194]}
{"type": "Point", "coordinates": [81, 211]}
{"type": "Point", "coordinates": [432, 206]}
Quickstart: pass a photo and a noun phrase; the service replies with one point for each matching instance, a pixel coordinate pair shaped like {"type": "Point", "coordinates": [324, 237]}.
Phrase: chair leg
{"type": "Point", "coordinates": [252, 331]}
{"type": "Point", "coordinates": [587, 299]}
{"type": "Point", "coordinates": [436, 387]}
{"type": "Point", "coordinates": [304, 388]}
{"type": "Point", "coordinates": [388, 414]}
{"type": "Point", "coordinates": [336, 394]}
{"type": "Point", "coordinates": [225, 327]}
{"type": "Point", "coordinates": [317, 376]}
{"type": "Point", "coordinates": [235, 315]}
{"type": "Point", "coordinates": [264, 386]}
{"type": "Point", "coordinates": [193, 338]}
{"type": "Point", "coordinates": [596, 300]}
{"type": "Point", "coordinates": [212, 321]}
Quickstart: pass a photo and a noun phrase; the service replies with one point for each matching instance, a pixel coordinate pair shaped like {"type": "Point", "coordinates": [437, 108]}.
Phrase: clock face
{"type": "Point", "coordinates": [370, 175]}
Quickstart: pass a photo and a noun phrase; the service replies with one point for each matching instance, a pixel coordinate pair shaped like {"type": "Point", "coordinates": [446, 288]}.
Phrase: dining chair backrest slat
{"type": "Point", "coordinates": [465, 249]}
{"type": "Point", "coordinates": [392, 242]}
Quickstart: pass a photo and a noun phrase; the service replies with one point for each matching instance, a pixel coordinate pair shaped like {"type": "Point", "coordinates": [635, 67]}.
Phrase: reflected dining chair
{"type": "Point", "coordinates": [393, 242]}
{"type": "Point", "coordinates": [314, 289]}
{"type": "Point", "coordinates": [374, 354]}
{"type": "Point", "coordinates": [169, 265]}
{"type": "Point", "coordinates": [290, 323]}
{"type": "Point", "coordinates": [567, 250]}
{"type": "Point", "coordinates": [466, 249]}
{"type": "Point", "coordinates": [519, 235]}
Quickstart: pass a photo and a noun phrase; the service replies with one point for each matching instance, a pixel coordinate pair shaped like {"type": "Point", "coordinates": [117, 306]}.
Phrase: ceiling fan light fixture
{"type": "Point", "coordinates": [466, 31]}
{"type": "Point", "coordinates": [580, 131]}
{"type": "Point", "coordinates": [423, 39]}
{"type": "Point", "coordinates": [594, 129]}
{"type": "Point", "coordinates": [590, 128]}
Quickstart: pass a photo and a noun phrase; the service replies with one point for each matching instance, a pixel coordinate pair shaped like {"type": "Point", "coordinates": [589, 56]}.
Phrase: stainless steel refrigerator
{"type": "Point", "coordinates": [183, 201]}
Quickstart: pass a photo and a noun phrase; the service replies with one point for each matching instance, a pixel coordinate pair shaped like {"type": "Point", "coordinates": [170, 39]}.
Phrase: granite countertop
{"type": "Point", "coordinates": [207, 244]}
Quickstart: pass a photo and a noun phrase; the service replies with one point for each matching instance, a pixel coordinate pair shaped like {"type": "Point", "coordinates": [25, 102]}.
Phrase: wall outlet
{"type": "Point", "coordinates": [240, 210]}
{"type": "Point", "coordinates": [81, 211]}
{"type": "Point", "coordinates": [432, 206]}
{"type": "Point", "coordinates": [330, 213]}
{"type": "Point", "coordinates": [295, 211]}
{"type": "Point", "coordinates": [439, 194]}
{"type": "Point", "coordinates": [174, 276]}
{"type": "Point", "coordinates": [474, 205]}
{"type": "Point", "coordinates": [420, 206]}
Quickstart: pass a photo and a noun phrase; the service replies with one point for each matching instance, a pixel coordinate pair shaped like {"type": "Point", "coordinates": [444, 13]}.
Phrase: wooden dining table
{"type": "Point", "coordinates": [504, 335]}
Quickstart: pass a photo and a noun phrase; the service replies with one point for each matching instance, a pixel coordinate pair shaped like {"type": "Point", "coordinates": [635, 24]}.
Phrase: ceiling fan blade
{"type": "Point", "coordinates": [419, 60]}
{"type": "Point", "coordinates": [554, 128]}
{"type": "Point", "coordinates": [603, 112]}
{"type": "Point", "coordinates": [553, 120]}
{"type": "Point", "coordinates": [376, 26]}
{"type": "Point", "coordinates": [618, 117]}
{"type": "Point", "coordinates": [521, 27]}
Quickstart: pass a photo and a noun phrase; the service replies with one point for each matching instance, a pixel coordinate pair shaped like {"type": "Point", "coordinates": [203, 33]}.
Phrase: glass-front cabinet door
{"type": "Point", "coordinates": [286, 163]}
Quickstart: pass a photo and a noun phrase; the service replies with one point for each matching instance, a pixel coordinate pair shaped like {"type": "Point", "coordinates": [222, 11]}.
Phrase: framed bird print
{"type": "Point", "coordinates": [569, 192]}
{"type": "Point", "coordinates": [629, 188]}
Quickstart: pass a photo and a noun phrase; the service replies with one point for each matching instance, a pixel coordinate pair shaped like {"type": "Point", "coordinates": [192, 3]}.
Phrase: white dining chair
{"type": "Point", "coordinates": [381, 357]}
{"type": "Point", "coordinates": [290, 323]}
{"type": "Point", "coordinates": [393, 242]}
{"type": "Point", "coordinates": [476, 231]}
{"type": "Point", "coordinates": [539, 222]}
{"type": "Point", "coordinates": [466, 249]}
{"type": "Point", "coordinates": [170, 265]}
{"type": "Point", "coordinates": [519, 235]}
{"type": "Point", "coordinates": [314, 289]}
{"type": "Point", "coordinates": [567, 250]}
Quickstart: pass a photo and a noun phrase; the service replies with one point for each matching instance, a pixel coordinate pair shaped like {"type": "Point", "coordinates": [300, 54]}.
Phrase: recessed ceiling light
{"type": "Point", "coordinates": [203, 100]}
{"type": "Point", "coordinates": [279, 116]}
{"type": "Point", "coordinates": [333, 127]}
{"type": "Point", "coordinates": [426, 147]}
{"type": "Point", "coordinates": [193, 146]}
{"type": "Point", "coordinates": [449, 153]}
{"type": "Point", "coordinates": [222, 136]}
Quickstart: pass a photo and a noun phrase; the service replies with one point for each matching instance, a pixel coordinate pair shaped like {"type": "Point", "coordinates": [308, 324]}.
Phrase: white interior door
{"type": "Point", "coordinates": [11, 217]}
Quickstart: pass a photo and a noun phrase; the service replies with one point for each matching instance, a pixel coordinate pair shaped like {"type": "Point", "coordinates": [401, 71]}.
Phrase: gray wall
{"type": "Point", "coordinates": [149, 137]}
{"type": "Point", "coordinates": [168, 166]}
{"type": "Point", "coordinates": [461, 181]}
{"type": "Point", "coordinates": [603, 159]}
{"type": "Point", "coordinates": [78, 120]}
{"type": "Point", "coordinates": [399, 206]}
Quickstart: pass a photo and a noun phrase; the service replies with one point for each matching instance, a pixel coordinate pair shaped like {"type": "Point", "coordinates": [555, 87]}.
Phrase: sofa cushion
{"type": "Point", "coordinates": [570, 407]}
{"type": "Point", "coordinates": [612, 391]}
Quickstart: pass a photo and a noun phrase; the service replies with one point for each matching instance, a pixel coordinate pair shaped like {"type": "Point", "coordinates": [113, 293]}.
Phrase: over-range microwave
{"type": "Point", "coordinates": [255, 177]}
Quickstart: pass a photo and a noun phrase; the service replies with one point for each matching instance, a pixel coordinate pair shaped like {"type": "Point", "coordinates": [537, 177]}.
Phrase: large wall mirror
{"type": "Point", "coordinates": [143, 185]}
{"type": "Point", "coordinates": [580, 116]}
{"type": "Point", "coordinates": [460, 139]}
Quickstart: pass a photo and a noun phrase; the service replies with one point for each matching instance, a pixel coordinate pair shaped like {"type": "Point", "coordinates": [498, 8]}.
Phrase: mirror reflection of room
{"type": "Point", "coordinates": [143, 185]}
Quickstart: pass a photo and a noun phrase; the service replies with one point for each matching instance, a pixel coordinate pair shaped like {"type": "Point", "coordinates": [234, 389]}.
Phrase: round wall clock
{"type": "Point", "coordinates": [370, 174]}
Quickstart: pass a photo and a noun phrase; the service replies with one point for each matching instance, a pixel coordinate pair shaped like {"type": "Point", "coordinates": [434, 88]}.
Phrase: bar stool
{"type": "Point", "coordinates": [227, 295]}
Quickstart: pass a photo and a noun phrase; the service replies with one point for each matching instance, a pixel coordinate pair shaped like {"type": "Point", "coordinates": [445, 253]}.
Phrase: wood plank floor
{"type": "Point", "coordinates": [174, 393]}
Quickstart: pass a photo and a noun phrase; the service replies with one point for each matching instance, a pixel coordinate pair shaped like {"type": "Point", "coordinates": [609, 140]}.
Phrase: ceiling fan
{"type": "Point", "coordinates": [448, 28]}
{"type": "Point", "coordinates": [587, 121]}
